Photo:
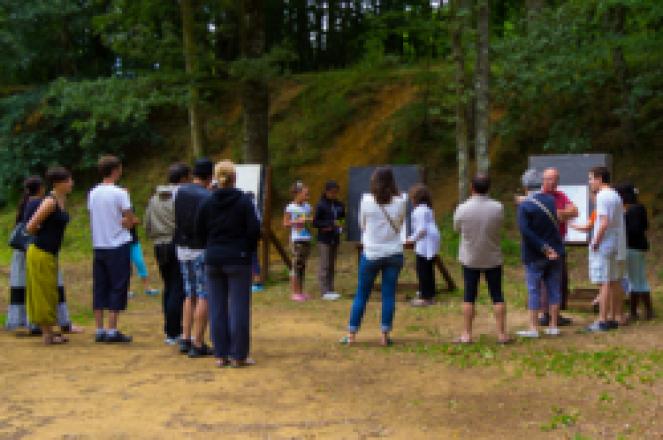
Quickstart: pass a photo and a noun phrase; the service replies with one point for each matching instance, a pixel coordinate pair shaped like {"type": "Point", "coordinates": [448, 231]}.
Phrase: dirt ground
{"type": "Point", "coordinates": [306, 386]}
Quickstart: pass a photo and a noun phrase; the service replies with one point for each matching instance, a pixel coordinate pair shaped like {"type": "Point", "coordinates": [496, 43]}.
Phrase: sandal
{"type": "Point", "coordinates": [462, 340]}
{"type": "Point", "coordinates": [222, 363]}
{"type": "Point", "coordinates": [346, 340]}
{"type": "Point", "coordinates": [387, 342]}
{"type": "Point", "coordinates": [56, 339]}
{"type": "Point", "coordinates": [505, 341]}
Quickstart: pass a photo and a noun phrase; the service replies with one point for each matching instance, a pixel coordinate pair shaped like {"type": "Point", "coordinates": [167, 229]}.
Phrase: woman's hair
{"type": "Point", "coordinates": [383, 185]}
{"type": "Point", "coordinates": [420, 195]}
{"type": "Point", "coordinates": [31, 188]}
{"type": "Point", "coordinates": [224, 173]}
{"type": "Point", "coordinates": [297, 187]}
{"type": "Point", "coordinates": [57, 175]}
{"type": "Point", "coordinates": [628, 192]}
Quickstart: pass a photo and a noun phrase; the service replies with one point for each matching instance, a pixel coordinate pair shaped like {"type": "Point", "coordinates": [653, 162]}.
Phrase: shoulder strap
{"type": "Point", "coordinates": [545, 210]}
{"type": "Point", "coordinates": [389, 219]}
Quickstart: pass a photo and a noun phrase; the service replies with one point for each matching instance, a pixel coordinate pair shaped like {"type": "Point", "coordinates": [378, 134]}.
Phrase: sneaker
{"type": "Point", "coordinates": [552, 331]}
{"type": "Point", "coordinates": [613, 325]}
{"type": "Point", "coordinates": [152, 292]}
{"type": "Point", "coordinates": [100, 337]}
{"type": "Point", "coordinates": [298, 297]}
{"type": "Point", "coordinates": [257, 288]}
{"type": "Point", "coordinates": [196, 352]}
{"type": "Point", "coordinates": [420, 302]}
{"type": "Point", "coordinates": [563, 321]}
{"type": "Point", "coordinates": [185, 346]}
{"type": "Point", "coordinates": [528, 333]}
{"type": "Point", "coordinates": [331, 296]}
{"type": "Point", "coordinates": [118, 337]}
{"type": "Point", "coordinates": [597, 326]}
{"type": "Point", "coordinates": [171, 341]}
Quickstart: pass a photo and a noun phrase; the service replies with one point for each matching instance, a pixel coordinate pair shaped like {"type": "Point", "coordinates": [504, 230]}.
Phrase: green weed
{"type": "Point", "coordinates": [561, 419]}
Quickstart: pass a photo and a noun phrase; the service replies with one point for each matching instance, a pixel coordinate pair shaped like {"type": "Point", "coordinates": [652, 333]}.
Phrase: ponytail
{"type": "Point", "coordinates": [31, 188]}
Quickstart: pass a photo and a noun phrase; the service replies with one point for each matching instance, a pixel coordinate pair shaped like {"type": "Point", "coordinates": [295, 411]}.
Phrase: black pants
{"type": "Point", "coordinates": [426, 277]}
{"type": "Point", "coordinates": [173, 290]}
{"type": "Point", "coordinates": [493, 279]}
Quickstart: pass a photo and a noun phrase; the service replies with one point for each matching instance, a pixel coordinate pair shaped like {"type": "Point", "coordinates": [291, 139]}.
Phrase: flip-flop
{"type": "Point", "coordinates": [388, 343]}
{"type": "Point", "coordinates": [56, 339]}
{"type": "Point", "coordinates": [462, 341]}
{"type": "Point", "coordinates": [505, 341]}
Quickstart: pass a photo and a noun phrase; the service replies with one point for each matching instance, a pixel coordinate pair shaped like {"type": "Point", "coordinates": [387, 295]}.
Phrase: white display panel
{"type": "Point", "coordinates": [249, 179]}
{"type": "Point", "coordinates": [579, 195]}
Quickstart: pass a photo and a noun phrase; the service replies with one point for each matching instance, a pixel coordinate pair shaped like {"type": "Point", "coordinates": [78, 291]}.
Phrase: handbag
{"type": "Point", "coordinates": [19, 238]}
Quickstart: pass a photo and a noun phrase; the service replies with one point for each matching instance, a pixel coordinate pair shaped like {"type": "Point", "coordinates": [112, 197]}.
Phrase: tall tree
{"type": "Point", "coordinates": [192, 67]}
{"type": "Point", "coordinates": [457, 27]}
{"type": "Point", "coordinates": [255, 91]}
{"type": "Point", "coordinates": [482, 84]}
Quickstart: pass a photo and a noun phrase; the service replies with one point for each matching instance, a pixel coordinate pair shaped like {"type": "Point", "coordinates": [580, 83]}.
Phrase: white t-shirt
{"type": "Point", "coordinates": [299, 212]}
{"type": "Point", "coordinates": [425, 233]}
{"type": "Point", "coordinates": [106, 204]}
{"type": "Point", "coordinates": [378, 237]}
{"type": "Point", "coordinates": [610, 205]}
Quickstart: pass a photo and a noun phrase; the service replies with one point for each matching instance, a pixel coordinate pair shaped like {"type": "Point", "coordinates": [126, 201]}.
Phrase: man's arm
{"type": "Point", "coordinates": [569, 212]}
{"type": "Point", "coordinates": [527, 232]}
{"type": "Point", "coordinates": [603, 226]}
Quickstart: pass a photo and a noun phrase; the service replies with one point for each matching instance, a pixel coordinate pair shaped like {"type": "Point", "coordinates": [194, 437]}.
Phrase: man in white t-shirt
{"type": "Point", "coordinates": [111, 218]}
{"type": "Point", "coordinates": [607, 251]}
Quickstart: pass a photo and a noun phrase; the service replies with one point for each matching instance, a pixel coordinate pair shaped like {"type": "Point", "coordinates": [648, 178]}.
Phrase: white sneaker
{"type": "Point", "coordinates": [552, 331]}
{"type": "Point", "coordinates": [171, 341]}
{"type": "Point", "coordinates": [331, 296]}
{"type": "Point", "coordinates": [528, 333]}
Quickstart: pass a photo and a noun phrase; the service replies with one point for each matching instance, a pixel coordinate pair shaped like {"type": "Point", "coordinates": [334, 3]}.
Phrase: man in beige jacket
{"type": "Point", "coordinates": [479, 221]}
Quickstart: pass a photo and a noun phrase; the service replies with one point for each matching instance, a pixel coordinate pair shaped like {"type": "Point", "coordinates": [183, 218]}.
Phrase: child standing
{"type": "Point", "coordinates": [329, 215]}
{"type": "Point", "coordinates": [296, 216]}
{"type": "Point", "coordinates": [426, 239]}
{"type": "Point", "coordinates": [138, 260]}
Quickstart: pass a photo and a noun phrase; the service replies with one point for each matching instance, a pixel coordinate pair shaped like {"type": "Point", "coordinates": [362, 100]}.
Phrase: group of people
{"type": "Point", "coordinates": [205, 234]}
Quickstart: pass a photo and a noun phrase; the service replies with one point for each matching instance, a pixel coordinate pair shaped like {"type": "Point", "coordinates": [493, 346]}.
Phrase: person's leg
{"type": "Point", "coordinates": [306, 253]}
{"type": "Point", "coordinates": [429, 279]}
{"type": "Point", "coordinates": [201, 311]}
{"type": "Point", "coordinates": [617, 294]}
{"type": "Point", "coordinates": [120, 273]}
{"type": "Point", "coordinates": [553, 281]}
{"type": "Point", "coordinates": [331, 274]}
{"type": "Point", "coordinates": [161, 256]}
{"type": "Point", "coordinates": [565, 284]}
{"type": "Point", "coordinates": [494, 281]}
{"type": "Point", "coordinates": [16, 315]}
{"type": "Point", "coordinates": [297, 271]}
{"type": "Point", "coordinates": [187, 308]}
{"type": "Point", "coordinates": [323, 270]}
{"type": "Point", "coordinates": [391, 268]}
{"type": "Point", "coordinates": [367, 272]}
{"type": "Point", "coordinates": [239, 287]}
{"type": "Point", "coordinates": [471, 281]}
{"type": "Point", "coordinates": [533, 276]}
{"type": "Point", "coordinates": [421, 275]}
{"type": "Point", "coordinates": [649, 308]}
{"type": "Point", "coordinates": [217, 284]}
{"type": "Point", "coordinates": [100, 290]}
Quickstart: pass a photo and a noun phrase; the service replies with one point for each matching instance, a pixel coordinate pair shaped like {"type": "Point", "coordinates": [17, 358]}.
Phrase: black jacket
{"type": "Point", "coordinates": [636, 227]}
{"type": "Point", "coordinates": [326, 213]}
{"type": "Point", "coordinates": [228, 227]}
{"type": "Point", "coordinates": [188, 200]}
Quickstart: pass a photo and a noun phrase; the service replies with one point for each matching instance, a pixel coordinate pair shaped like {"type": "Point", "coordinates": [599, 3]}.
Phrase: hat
{"type": "Point", "coordinates": [203, 168]}
{"type": "Point", "coordinates": [532, 179]}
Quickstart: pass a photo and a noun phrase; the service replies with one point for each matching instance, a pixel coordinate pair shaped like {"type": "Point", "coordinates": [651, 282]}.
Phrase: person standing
{"type": "Point", "coordinates": [329, 215]}
{"type": "Point", "coordinates": [479, 221]}
{"type": "Point", "coordinates": [48, 225]}
{"type": "Point", "coordinates": [607, 251]}
{"type": "Point", "coordinates": [190, 253]}
{"type": "Point", "coordinates": [381, 219]}
{"type": "Point", "coordinates": [229, 228]}
{"type": "Point", "coordinates": [297, 217]}
{"type": "Point", "coordinates": [566, 211]}
{"type": "Point", "coordinates": [160, 228]}
{"type": "Point", "coordinates": [111, 218]}
{"type": "Point", "coordinates": [542, 249]}
{"type": "Point", "coordinates": [636, 241]}
{"type": "Point", "coordinates": [426, 240]}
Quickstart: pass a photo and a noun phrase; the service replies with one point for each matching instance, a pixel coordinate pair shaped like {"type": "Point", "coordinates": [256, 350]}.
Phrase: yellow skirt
{"type": "Point", "coordinates": [41, 286]}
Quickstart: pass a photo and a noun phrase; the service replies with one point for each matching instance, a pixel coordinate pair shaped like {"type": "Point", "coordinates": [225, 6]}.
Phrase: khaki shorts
{"type": "Point", "coordinates": [605, 268]}
{"type": "Point", "coordinates": [301, 250]}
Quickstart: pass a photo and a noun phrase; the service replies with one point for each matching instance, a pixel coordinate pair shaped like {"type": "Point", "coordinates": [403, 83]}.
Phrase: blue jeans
{"type": "Point", "coordinates": [548, 272]}
{"type": "Point", "coordinates": [368, 270]}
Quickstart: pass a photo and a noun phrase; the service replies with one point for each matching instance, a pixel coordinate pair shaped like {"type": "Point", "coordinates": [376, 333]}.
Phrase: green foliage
{"type": "Point", "coordinates": [561, 419]}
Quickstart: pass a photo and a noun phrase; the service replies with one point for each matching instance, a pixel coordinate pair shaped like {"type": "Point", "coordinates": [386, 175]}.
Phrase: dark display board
{"type": "Point", "coordinates": [574, 182]}
{"type": "Point", "coordinates": [359, 179]}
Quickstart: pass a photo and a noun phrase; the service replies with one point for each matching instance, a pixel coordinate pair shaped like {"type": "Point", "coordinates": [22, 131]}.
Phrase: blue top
{"type": "Point", "coordinates": [537, 229]}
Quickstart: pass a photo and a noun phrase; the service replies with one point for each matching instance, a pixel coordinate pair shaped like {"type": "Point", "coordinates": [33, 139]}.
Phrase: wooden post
{"type": "Point", "coordinates": [266, 224]}
{"type": "Point", "coordinates": [280, 249]}
{"type": "Point", "coordinates": [451, 285]}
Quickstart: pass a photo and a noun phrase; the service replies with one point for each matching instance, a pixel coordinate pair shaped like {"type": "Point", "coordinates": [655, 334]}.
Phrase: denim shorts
{"type": "Point", "coordinates": [193, 276]}
{"type": "Point", "coordinates": [548, 272]}
{"type": "Point", "coordinates": [605, 268]}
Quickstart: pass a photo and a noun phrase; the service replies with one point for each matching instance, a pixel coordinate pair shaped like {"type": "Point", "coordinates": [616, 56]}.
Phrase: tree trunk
{"type": "Point", "coordinates": [196, 123]}
{"type": "Point", "coordinates": [255, 93]}
{"type": "Point", "coordinates": [458, 53]}
{"type": "Point", "coordinates": [617, 15]}
{"type": "Point", "coordinates": [482, 87]}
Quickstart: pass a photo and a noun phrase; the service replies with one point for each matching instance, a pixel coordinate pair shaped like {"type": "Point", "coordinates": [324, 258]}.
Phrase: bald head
{"type": "Point", "coordinates": [550, 180]}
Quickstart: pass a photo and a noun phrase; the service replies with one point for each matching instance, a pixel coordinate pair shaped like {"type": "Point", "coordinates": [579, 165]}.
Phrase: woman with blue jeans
{"type": "Point", "coordinates": [381, 218]}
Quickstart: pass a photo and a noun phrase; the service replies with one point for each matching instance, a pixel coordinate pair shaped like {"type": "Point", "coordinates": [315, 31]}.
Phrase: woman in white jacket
{"type": "Point", "coordinates": [426, 240]}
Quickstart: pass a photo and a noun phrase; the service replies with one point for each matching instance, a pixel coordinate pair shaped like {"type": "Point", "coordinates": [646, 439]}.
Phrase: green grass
{"type": "Point", "coordinates": [561, 418]}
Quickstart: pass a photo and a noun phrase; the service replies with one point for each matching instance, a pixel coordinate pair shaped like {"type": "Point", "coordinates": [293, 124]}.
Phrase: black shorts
{"type": "Point", "coordinates": [493, 279]}
{"type": "Point", "coordinates": [111, 272]}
